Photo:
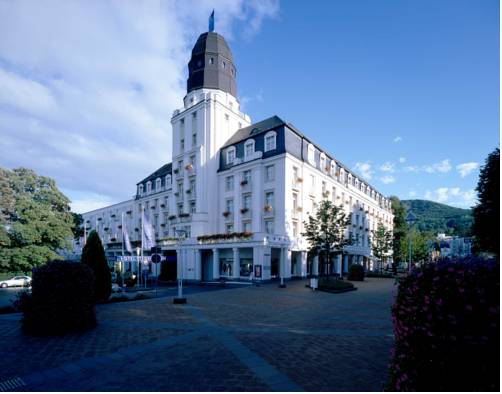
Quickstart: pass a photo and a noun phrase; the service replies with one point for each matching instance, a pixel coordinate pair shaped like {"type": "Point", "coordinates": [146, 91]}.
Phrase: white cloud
{"type": "Point", "coordinates": [398, 139]}
{"type": "Point", "coordinates": [412, 193]}
{"type": "Point", "coordinates": [411, 169]}
{"type": "Point", "coordinates": [90, 202]}
{"type": "Point", "coordinates": [465, 169]}
{"type": "Point", "coordinates": [443, 166]}
{"type": "Point", "coordinates": [387, 167]}
{"type": "Point", "coordinates": [452, 196]}
{"type": "Point", "coordinates": [87, 89]}
{"type": "Point", "coordinates": [402, 159]}
{"type": "Point", "coordinates": [364, 169]}
{"type": "Point", "coordinates": [387, 179]}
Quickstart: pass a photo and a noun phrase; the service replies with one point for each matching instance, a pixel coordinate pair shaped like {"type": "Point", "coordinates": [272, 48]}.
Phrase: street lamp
{"type": "Point", "coordinates": [138, 251]}
{"type": "Point", "coordinates": [180, 299]}
{"type": "Point", "coordinates": [410, 220]}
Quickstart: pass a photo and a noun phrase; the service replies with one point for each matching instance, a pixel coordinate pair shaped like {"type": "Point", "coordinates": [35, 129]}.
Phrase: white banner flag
{"type": "Point", "coordinates": [127, 242]}
{"type": "Point", "coordinates": [148, 237]}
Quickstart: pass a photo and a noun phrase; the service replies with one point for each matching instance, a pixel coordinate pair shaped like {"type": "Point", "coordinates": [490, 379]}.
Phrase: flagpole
{"type": "Point", "coordinates": [122, 261]}
{"type": "Point", "coordinates": [142, 236]}
{"type": "Point", "coordinates": [85, 233]}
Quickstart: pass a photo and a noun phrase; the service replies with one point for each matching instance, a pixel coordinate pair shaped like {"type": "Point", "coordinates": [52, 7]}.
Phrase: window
{"type": "Point", "coordinates": [194, 139]}
{"type": "Point", "coordinates": [269, 226]}
{"type": "Point", "coordinates": [311, 154]}
{"type": "Point", "coordinates": [192, 187]}
{"type": "Point", "coordinates": [229, 183]}
{"type": "Point", "coordinates": [168, 181]}
{"type": "Point", "coordinates": [333, 194]}
{"type": "Point", "coordinates": [148, 187]}
{"type": "Point", "coordinates": [229, 206]}
{"type": "Point", "coordinates": [192, 207]}
{"type": "Point", "coordinates": [180, 209]}
{"type": "Point", "coordinates": [229, 228]}
{"type": "Point", "coordinates": [249, 149]}
{"type": "Point", "coordinates": [194, 122]}
{"type": "Point", "coordinates": [295, 228]}
{"type": "Point", "coordinates": [180, 189]}
{"type": "Point", "coordinates": [230, 155]}
{"type": "Point", "coordinates": [246, 227]}
{"type": "Point", "coordinates": [182, 144]}
{"type": "Point", "coordinates": [312, 183]}
{"type": "Point", "coordinates": [157, 184]}
{"type": "Point", "coordinates": [180, 167]}
{"type": "Point", "coordinates": [295, 201]}
{"type": "Point", "coordinates": [246, 201]}
{"type": "Point", "coordinates": [246, 176]}
{"type": "Point", "coordinates": [269, 198]}
{"type": "Point", "coordinates": [140, 190]}
{"type": "Point", "coordinates": [270, 141]}
{"type": "Point", "coordinates": [324, 187]}
{"type": "Point", "coordinates": [211, 60]}
{"type": "Point", "coordinates": [323, 162]}
{"type": "Point", "coordinates": [269, 173]}
{"type": "Point", "coordinates": [192, 161]}
{"type": "Point", "coordinates": [295, 173]}
{"type": "Point", "coordinates": [223, 64]}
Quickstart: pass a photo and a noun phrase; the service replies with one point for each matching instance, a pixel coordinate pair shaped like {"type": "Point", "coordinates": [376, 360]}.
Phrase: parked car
{"type": "Point", "coordinates": [16, 281]}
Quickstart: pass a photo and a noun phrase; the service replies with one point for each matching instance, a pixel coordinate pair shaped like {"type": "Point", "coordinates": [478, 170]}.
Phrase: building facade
{"type": "Point", "coordinates": [232, 202]}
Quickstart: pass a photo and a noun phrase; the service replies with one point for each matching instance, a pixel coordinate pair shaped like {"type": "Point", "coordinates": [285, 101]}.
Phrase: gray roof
{"type": "Point", "coordinates": [256, 128]}
{"type": "Point", "coordinates": [162, 171]}
{"type": "Point", "coordinates": [211, 65]}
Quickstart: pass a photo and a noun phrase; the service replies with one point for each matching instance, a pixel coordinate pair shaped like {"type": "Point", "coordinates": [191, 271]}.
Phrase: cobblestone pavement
{"type": "Point", "coordinates": [247, 339]}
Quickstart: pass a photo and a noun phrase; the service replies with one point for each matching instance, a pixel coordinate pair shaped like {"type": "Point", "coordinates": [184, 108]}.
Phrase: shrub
{"type": "Point", "coordinates": [356, 272]}
{"type": "Point", "coordinates": [61, 299]}
{"type": "Point", "coordinates": [334, 284]}
{"type": "Point", "coordinates": [446, 327]}
{"type": "Point", "coordinates": [130, 279]}
{"type": "Point", "coordinates": [376, 274]}
{"type": "Point", "coordinates": [93, 255]}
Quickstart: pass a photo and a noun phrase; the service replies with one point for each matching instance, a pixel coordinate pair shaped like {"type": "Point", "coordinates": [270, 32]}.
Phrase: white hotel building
{"type": "Point", "coordinates": [233, 201]}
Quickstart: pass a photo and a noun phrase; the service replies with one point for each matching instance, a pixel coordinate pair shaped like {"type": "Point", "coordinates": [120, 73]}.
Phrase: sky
{"type": "Point", "coordinates": [406, 93]}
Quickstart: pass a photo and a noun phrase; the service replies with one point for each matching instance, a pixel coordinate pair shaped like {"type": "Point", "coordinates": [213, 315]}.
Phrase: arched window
{"type": "Point", "coordinates": [333, 168]}
{"type": "Point", "coordinates": [249, 149]}
{"type": "Point", "coordinates": [230, 155]}
{"type": "Point", "coordinates": [323, 162]}
{"type": "Point", "coordinates": [311, 154]}
{"type": "Point", "coordinates": [157, 184]}
{"type": "Point", "coordinates": [168, 181]}
{"type": "Point", "coordinates": [140, 190]}
{"type": "Point", "coordinates": [270, 141]}
{"type": "Point", "coordinates": [148, 186]}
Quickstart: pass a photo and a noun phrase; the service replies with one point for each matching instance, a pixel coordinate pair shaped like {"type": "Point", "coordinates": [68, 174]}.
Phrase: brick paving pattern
{"type": "Point", "coordinates": [247, 339]}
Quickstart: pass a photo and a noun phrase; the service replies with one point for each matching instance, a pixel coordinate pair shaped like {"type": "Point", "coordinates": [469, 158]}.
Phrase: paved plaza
{"type": "Point", "coordinates": [243, 339]}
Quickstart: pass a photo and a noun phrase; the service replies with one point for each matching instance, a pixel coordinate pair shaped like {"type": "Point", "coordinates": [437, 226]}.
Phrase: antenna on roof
{"type": "Point", "coordinates": [211, 21]}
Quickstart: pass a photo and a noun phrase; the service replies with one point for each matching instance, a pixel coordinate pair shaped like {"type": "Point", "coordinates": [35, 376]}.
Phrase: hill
{"type": "Point", "coordinates": [440, 218]}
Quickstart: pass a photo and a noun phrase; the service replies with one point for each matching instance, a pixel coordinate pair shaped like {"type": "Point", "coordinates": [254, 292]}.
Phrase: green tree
{"type": "Point", "coordinates": [325, 231]}
{"type": "Point", "coordinates": [381, 243]}
{"type": "Point", "coordinates": [486, 227]}
{"type": "Point", "coordinates": [77, 229]}
{"type": "Point", "coordinates": [35, 220]}
{"type": "Point", "coordinates": [419, 246]}
{"type": "Point", "coordinates": [93, 255]}
{"type": "Point", "coordinates": [400, 230]}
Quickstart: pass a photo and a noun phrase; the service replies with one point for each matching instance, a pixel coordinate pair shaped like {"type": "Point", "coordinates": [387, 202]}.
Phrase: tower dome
{"type": "Point", "coordinates": [211, 65]}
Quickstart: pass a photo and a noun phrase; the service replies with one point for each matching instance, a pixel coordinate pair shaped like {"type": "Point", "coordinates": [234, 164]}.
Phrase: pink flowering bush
{"type": "Point", "coordinates": [446, 327]}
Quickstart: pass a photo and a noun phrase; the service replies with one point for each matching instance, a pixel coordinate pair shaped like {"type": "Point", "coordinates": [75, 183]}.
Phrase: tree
{"type": "Point", "coordinates": [486, 227]}
{"type": "Point", "coordinates": [325, 231]}
{"type": "Point", "coordinates": [93, 255]}
{"type": "Point", "coordinates": [35, 220]}
{"type": "Point", "coordinates": [381, 243]}
{"type": "Point", "coordinates": [400, 230]}
{"type": "Point", "coordinates": [419, 247]}
{"type": "Point", "coordinates": [77, 229]}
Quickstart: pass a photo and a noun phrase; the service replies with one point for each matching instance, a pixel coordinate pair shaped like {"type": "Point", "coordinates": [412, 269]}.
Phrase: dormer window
{"type": "Point", "coordinates": [333, 167]}
{"type": "Point", "coordinates": [311, 154]}
{"type": "Point", "coordinates": [140, 190]}
{"type": "Point", "coordinates": [157, 184]}
{"type": "Point", "coordinates": [168, 181]}
{"type": "Point", "coordinates": [231, 155]}
{"type": "Point", "coordinates": [148, 187]}
{"type": "Point", "coordinates": [323, 162]}
{"type": "Point", "coordinates": [270, 141]}
{"type": "Point", "coordinates": [249, 149]}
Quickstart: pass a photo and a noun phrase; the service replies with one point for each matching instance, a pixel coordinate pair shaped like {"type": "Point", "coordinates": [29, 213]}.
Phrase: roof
{"type": "Point", "coordinates": [255, 129]}
{"type": "Point", "coordinates": [162, 171]}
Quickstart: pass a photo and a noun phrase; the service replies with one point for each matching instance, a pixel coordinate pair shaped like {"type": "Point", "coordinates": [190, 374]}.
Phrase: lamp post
{"type": "Point", "coordinates": [138, 251]}
{"type": "Point", "coordinates": [180, 299]}
{"type": "Point", "coordinates": [410, 220]}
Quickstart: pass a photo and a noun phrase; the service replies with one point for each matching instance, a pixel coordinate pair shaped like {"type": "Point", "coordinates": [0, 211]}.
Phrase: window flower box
{"type": "Point", "coordinates": [267, 208]}
{"type": "Point", "coordinates": [152, 207]}
{"type": "Point", "coordinates": [183, 215]}
{"type": "Point", "coordinates": [113, 239]}
{"type": "Point", "coordinates": [129, 212]}
{"type": "Point", "coordinates": [162, 205]}
{"type": "Point", "coordinates": [360, 227]}
{"type": "Point", "coordinates": [99, 219]}
{"type": "Point", "coordinates": [112, 216]}
{"type": "Point", "coordinates": [162, 225]}
{"type": "Point", "coordinates": [176, 194]}
{"type": "Point", "coordinates": [226, 214]}
{"type": "Point", "coordinates": [327, 168]}
{"type": "Point", "coordinates": [244, 210]}
{"type": "Point", "coordinates": [87, 221]}
{"type": "Point", "coordinates": [299, 209]}
{"type": "Point", "coordinates": [106, 228]}
{"type": "Point", "coordinates": [176, 170]}
{"type": "Point", "coordinates": [188, 191]}
{"type": "Point", "coordinates": [172, 217]}
{"type": "Point", "coordinates": [299, 180]}
{"type": "Point", "coordinates": [360, 208]}
{"type": "Point", "coordinates": [244, 182]}
{"type": "Point", "coordinates": [189, 167]}
{"type": "Point", "coordinates": [136, 229]}
{"type": "Point", "coordinates": [119, 226]}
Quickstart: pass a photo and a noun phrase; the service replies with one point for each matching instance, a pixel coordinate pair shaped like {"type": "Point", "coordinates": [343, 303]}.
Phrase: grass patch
{"type": "Point", "coordinates": [335, 285]}
{"type": "Point", "coordinates": [371, 274]}
{"type": "Point", "coordinates": [124, 298]}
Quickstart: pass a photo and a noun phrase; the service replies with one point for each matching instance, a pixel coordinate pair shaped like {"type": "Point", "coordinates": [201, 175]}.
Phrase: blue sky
{"type": "Point", "coordinates": [405, 93]}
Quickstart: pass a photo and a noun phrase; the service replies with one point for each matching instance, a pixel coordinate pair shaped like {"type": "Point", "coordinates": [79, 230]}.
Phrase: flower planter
{"type": "Point", "coordinates": [244, 210]}
{"type": "Point", "coordinates": [244, 183]}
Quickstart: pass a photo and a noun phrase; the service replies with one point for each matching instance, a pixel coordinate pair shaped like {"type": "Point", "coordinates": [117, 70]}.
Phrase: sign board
{"type": "Point", "coordinates": [257, 271]}
{"type": "Point", "coordinates": [146, 259]}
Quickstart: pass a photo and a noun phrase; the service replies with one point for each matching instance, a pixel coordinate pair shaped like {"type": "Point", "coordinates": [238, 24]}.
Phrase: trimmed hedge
{"type": "Point", "coordinates": [356, 272]}
{"type": "Point", "coordinates": [446, 327]}
{"type": "Point", "coordinates": [61, 299]}
{"type": "Point", "coordinates": [93, 255]}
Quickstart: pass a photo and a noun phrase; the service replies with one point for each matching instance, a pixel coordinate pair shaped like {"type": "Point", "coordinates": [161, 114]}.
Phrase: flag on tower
{"type": "Point", "coordinates": [211, 21]}
{"type": "Point", "coordinates": [148, 236]}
